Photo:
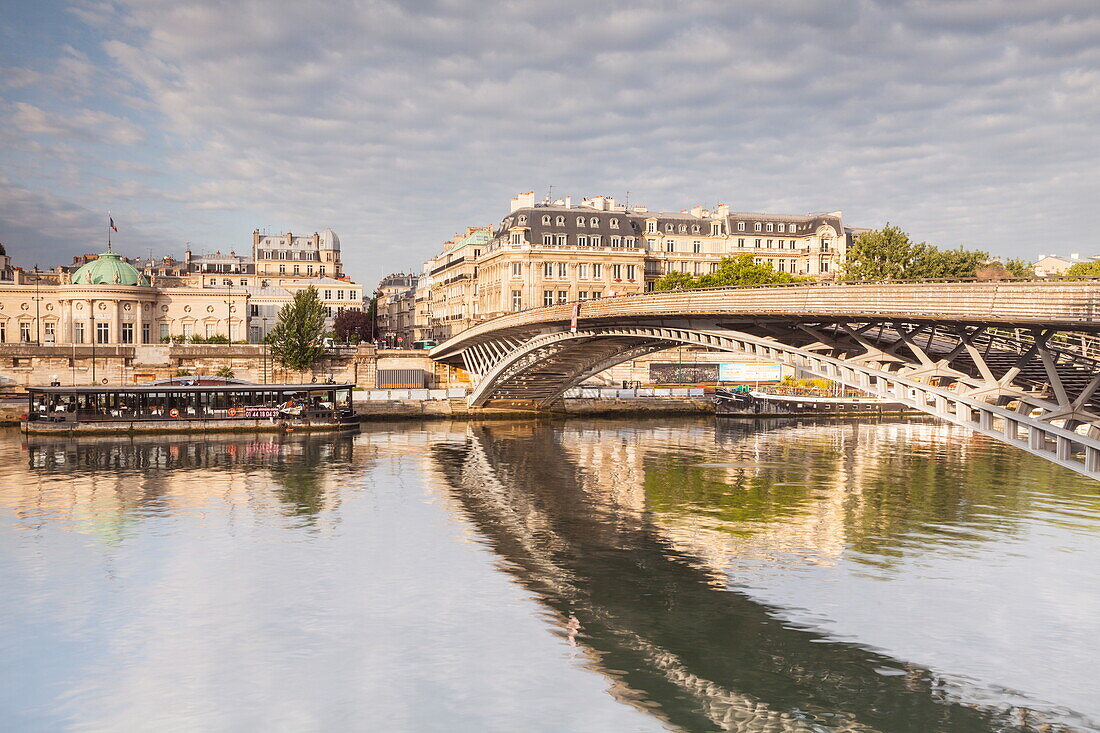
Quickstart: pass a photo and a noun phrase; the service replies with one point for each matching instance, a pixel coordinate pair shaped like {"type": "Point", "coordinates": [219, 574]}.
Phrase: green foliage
{"type": "Point", "coordinates": [1019, 267]}
{"type": "Point", "coordinates": [732, 271]}
{"type": "Point", "coordinates": [215, 339]}
{"type": "Point", "coordinates": [182, 373]}
{"type": "Point", "coordinates": [889, 254]}
{"type": "Point", "coordinates": [1085, 269]}
{"type": "Point", "coordinates": [353, 326]}
{"type": "Point", "coordinates": [224, 372]}
{"type": "Point", "coordinates": [296, 338]}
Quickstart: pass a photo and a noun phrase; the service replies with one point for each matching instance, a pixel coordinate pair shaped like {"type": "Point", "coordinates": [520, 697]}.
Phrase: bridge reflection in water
{"type": "Point", "coordinates": [596, 540]}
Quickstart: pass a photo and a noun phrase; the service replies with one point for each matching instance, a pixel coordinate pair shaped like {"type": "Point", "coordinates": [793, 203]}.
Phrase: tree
{"type": "Point", "coordinates": [1019, 267]}
{"type": "Point", "coordinates": [889, 254]}
{"type": "Point", "coordinates": [353, 326]}
{"type": "Point", "coordinates": [296, 339]}
{"type": "Point", "coordinates": [1085, 269]}
{"type": "Point", "coordinates": [732, 271]}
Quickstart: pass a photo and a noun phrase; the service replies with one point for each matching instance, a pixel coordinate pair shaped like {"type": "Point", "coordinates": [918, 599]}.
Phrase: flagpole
{"type": "Point", "coordinates": [108, 231]}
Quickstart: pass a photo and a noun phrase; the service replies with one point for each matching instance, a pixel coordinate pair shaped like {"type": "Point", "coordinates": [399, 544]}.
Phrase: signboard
{"type": "Point", "coordinates": [576, 316]}
{"type": "Point", "coordinates": [749, 372]}
{"type": "Point", "coordinates": [261, 412]}
{"type": "Point", "coordinates": [686, 373]}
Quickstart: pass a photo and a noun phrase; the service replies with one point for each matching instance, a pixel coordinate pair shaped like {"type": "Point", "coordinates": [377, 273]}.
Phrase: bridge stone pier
{"type": "Point", "coordinates": [1018, 361]}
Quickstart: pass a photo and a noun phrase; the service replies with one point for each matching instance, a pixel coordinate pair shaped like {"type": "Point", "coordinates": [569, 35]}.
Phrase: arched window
{"type": "Point", "coordinates": [523, 219]}
{"type": "Point", "coordinates": [683, 228]}
{"type": "Point", "coordinates": [669, 228]}
{"type": "Point", "coordinates": [546, 220]}
{"type": "Point", "coordinates": [614, 223]}
{"type": "Point", "coordinates": [580, 221]}
{"type": "Point", "coordinates": [694, 228]}
{"type": "Point", "coordinates": [561, 221]}
{"type": "Point", "coordinates": [594, 221]}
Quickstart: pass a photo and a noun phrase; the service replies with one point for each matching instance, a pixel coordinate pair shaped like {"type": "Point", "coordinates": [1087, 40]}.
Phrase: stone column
{"type": "Point", "coordinates": [65, 323]}
{"type": "Point", "coordinates": [114, 313]}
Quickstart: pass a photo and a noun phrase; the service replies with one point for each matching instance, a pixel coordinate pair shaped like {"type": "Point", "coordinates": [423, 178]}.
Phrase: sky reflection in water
{"type": "Point", "coordinates": [901, 575]}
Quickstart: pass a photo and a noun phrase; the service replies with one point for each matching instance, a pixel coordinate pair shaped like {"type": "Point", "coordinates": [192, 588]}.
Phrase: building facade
{"type": "Point", "coordinates": [552, 252]}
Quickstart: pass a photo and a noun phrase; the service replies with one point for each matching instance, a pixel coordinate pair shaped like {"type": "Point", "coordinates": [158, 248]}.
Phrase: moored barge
{"type": "Point", "coordinates": [198, 408]}
{"type": "Point", "coordinates": [745, 402]}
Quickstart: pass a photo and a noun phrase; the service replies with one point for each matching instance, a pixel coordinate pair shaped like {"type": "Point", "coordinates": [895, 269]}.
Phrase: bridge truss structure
{"type": "Point", "coordinates": [1017, 361]}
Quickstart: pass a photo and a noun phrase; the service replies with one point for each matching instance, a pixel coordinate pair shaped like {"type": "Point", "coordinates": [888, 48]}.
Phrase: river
{"type": "Point", "coordinates": [581, 575]}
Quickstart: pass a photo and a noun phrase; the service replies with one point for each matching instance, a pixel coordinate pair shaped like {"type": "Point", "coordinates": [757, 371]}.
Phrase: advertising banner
{"type": "Point", "coordinates": [742, 372]}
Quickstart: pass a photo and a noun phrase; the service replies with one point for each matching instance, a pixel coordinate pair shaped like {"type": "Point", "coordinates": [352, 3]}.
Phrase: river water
{"type": "Point", "coordinates": [586, 575]}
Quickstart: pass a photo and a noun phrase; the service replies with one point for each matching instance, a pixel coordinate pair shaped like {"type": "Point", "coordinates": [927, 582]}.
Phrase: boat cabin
{"type": "Point", "coordinates": [178, 402]}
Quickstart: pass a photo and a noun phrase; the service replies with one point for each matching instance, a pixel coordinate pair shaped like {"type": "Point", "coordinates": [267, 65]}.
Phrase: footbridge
{"type": "Point", "coordinates": [1018, 360]}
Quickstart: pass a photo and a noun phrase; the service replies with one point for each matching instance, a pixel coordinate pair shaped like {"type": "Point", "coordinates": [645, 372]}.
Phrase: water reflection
{"type": "Point", "coordinates": [111, 482]}
{"type": "Point", "coordinates": [626, 535]}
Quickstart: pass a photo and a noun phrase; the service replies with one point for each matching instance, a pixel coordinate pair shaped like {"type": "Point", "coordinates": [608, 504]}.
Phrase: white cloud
{"type": "Point", "coordinates": [398, 123]}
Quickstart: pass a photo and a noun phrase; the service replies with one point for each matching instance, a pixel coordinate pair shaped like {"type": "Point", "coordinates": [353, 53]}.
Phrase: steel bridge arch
{"type": "Point", "coordinates": [1074, 445]}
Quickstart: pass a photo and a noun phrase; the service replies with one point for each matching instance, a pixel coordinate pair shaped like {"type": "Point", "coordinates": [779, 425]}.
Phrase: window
{"type": "Point", "coordinates": [670, 245]}
{"type": "Point", "coordinates": [517, 238]}
{"type": "Point", "coordinates": [188, 330]}
{"type": "Point", "coordinates": [517, 269]}
{"type": "Point", "coordinates": [328, 295]}
{"type": "Point", "coordinates": [227, 282]}
{"type": "Point", "coordinates": [309, 270]}
{"type": "Point", "coordinates": [614, 223]}
{"type": "Point", "coordinates": [594, 221]}
{"type": "Point", "coordinates": [582, 295]}
{"type": "Point", "coordinates": [563, 269]}
{"type": "Point", "coordinates": [696, 246]}
{"type": "Point", "coordinates": [560, 221]}
{"type": "Point", "coordinates": [582, 240]}
{"type": "Point", "coordinates": [517, 298]}
{"type": "Point", "coordinates": [547, 238]}
{"type": "Point", "coordinates": [211, 329]}
{"type": "Point", "coordinates": [651, 227]}
{"type": "Point", "coordinates": [297, 269]}
{"type": "Point", "coordinates": [616, 241]}
{"type": "Point", "coordinates": [769, 245]}
{"type": "Point", "coordinates": [523, 219]}
{"type": "Point", "coordinates": [630, 272]}
{"type": "Point", "coordinates": [146, 332]}
{"type": "Point", "coordinates": [781, 227]}
{"type": "Point", "coordinates": [597, 270]}
{"type": "Point", "coordinates": [546, 220]}
{"type": "Point", "coordinates": [582, 270]}
{"type": "Point", "coordinates": [757, 227]}
{"type": "Point", "coordinates": [740, 241]}
{"type": "Point", "coordinates": [50, 332]}
{"type": "Point", "coordinates": [740, 226]}
{"type": "Point", "coordinates": [548, 269]}
{"type": "Point", "coordinates": [102, 333]}
{"type": "Point", "coordinates": [595, 295]}
{"type": "Point", "coordinates": [713, 267]}
{"type": "Point", "coordinates": [824, 244]}
{"type": "Point", "coordinates": [25, 332]}
{"type": "Point", "coordinates": [213, 281]}
{"type": "Point", "coordinates": [758, 243]}
{"type": "Point", "coordinates": [563, 297]}
{"type": "Point", "coordinates": [782, 265]}
{"type": "Point", "coordinates": [580, 221]}
{"type": "Point", "coordinates": [163, 331]}
{"type": "Point", "coordinates": [769, 226]}
{"type": "Point", "coordinates": [548, 297]}
{"type": "Point", "coordinates": [595, 240]}
{"type": "Point", "coordinates": [825, 266]}
{"type": "Point", "coordinates": [127, 335]}
{"type": "Point", "coordinates": [715, 228]}
{"type": "Point", "coordinates": [617, 272]}
{"type": "Point", "coordinates": [339, 294]}
{"type": "Point", "coordinates": [669, 228]}
{"type": "Point", "coordinates": [78, 333]}
{"type": "Point", "coordinates": [628, 242]}
{"type": "Point", "coordinates": [245, 282]}
{"type": "Point", "coordinates": [683, 228]}
{"type": "Point", "coordinates": [563, 240]}
{"type": "Point", "coordinates": [320, 271]}
{"type": "Point", "coordinates": [282, 269]}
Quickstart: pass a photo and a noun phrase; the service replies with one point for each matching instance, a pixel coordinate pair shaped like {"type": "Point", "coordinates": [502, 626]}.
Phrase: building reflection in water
{"type": "Point", "coordinates": [626, 536]}
{"type": "Point", "coordinates": [113, 481]}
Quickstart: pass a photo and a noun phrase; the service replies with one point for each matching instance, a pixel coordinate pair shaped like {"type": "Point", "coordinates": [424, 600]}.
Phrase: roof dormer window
{"type": "Point", "coordinates": [683, 228]}
{"type": "Point", "coordinates": [594, 221]}
{"type": "Point", "coordinates": [580, 221]}
{"type": "Point", "coordinates": [740, 226]}
{"type": "Point", "coordinates": [782, 227]}
{"type": "Point", "coordinates": [758, 227]}
{"type": "Point", "coordinates": [694, 228]}
{"type": "Point", "coordinates": [560, 221]}
{"type": "Point", "coordinates": [769, 226]}
{"type": "Point", "coordinates": [523, 219]}
{"type": "Point", "coordinates": [546, 220]}
{"type": "Point", "coordinates": [614, 223]}
{"type": "Point", "coordinates": [669, 228]}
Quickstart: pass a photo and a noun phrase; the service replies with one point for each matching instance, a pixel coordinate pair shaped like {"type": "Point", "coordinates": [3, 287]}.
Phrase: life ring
{"type": "Point", "coordinates": [232, 412]}
{"type": "Point", "coordinates": [174, 412]}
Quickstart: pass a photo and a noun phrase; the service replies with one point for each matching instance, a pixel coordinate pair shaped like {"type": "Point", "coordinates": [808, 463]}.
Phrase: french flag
{"type": "Point", "coordinates": [113, 224]}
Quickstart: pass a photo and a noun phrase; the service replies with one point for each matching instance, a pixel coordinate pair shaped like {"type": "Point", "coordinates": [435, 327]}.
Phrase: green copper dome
{"type": "Point", "coordinates": [108, 269]}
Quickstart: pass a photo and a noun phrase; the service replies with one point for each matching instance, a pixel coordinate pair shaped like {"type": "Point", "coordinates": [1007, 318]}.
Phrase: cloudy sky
{"type": "Point", "coordinates": [968, 122]}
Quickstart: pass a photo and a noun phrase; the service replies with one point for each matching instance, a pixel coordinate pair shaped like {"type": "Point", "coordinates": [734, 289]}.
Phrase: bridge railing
{"type": "Point", "coordinates": [1066, 302]}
